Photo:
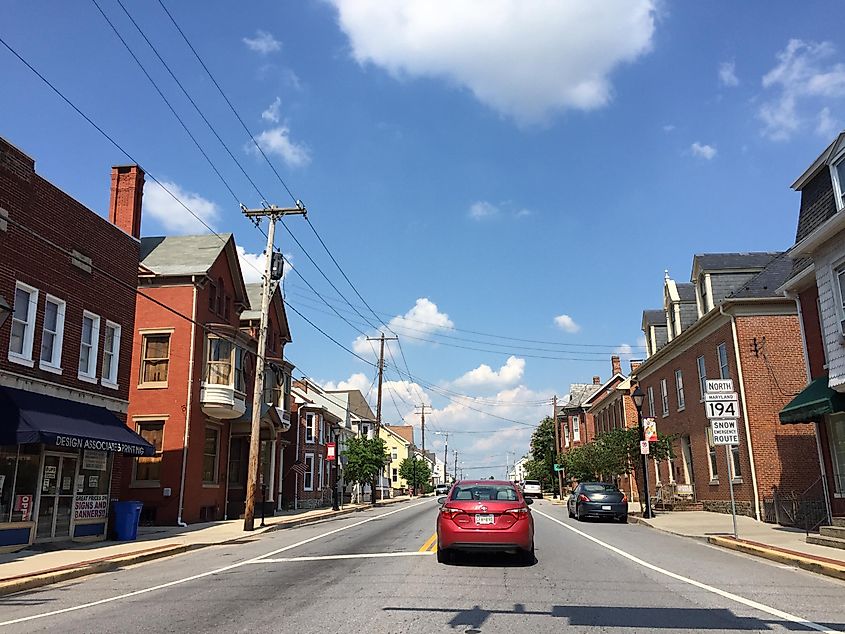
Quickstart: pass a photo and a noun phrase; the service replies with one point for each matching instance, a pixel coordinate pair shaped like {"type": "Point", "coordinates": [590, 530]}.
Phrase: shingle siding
{"type": "Point", "coordinates": [817, 204]}
{"type": "Point", "coordinates": [723, 284]}
{"type": "Point", "coordinates": [825, 259]}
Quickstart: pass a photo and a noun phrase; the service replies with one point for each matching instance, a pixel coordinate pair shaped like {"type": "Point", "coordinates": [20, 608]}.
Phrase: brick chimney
{"type": "Point", "coordinates": [635, 363]}
{"type": "Point", "coordinates": [616, 364]}
{"type": "Point", "coordinates": [127, 189]}
{"type": "Point", "coordinates": [596, 380]}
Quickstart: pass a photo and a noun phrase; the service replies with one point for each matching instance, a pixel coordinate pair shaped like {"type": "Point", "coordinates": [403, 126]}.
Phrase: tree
{"type": "Point", "coordinates": [416, 472]}
{"type": "Point", "coordinates": [365, 458]}
{"type": "Point", "coordinates": [541, 466]}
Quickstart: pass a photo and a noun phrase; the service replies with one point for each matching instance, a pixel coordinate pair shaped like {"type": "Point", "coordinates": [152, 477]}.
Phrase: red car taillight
{"type": "Point", "coordinates": [520, 514]}
{"type": "Point", "coordinates": [456, 515]}
{"type": "Point", "coordinates": [583, 498]}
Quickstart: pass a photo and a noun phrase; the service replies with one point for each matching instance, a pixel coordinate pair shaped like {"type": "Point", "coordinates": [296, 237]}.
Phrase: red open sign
{"type": "Point", "coordinates": [330, 451]}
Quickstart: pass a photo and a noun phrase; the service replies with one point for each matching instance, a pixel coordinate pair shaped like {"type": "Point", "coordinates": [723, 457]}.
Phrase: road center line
{"type": "Point", "coordinates": [428, 543]}
{"type": "Point", "coordinates": [177, 582]}
{"type": "Point", "coordinates": [281, 560]}
{"type": "Point", "coordinates": [722, 593]}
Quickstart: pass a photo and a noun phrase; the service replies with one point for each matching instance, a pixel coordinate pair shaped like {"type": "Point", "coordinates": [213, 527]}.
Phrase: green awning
{"type": "Point", "coordinates": [813, 402]}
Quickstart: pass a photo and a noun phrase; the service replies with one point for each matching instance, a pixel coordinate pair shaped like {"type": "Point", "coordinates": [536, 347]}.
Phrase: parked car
{"type": "Point", "coordinates": [441, 489]}
{"type": "Point", "coordinates": [597, 499]}
{"type": "Point", "coordinates": [485, 515]}
{"type": "Point", "coordinates": [532, 488]}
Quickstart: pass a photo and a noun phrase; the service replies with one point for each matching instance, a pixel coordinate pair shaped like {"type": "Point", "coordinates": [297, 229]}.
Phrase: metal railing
{"type": "Point", "coordinates": [807, 509]}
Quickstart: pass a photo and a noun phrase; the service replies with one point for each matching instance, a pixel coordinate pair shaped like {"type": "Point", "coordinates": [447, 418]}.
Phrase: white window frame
{"type": "Point", "coordinates": [54, 364]}
{"type": "Point", "coordinates": [838, 186]}
{"type": "Point", "coordinates": [679, 389]}
{"type": "Point", "coordinates": [90, 374]}
{"type": "Point", "coordinates": [322, 430]}
{"type": "Point", "coordinates": [308, 474]}
{"type": "Point", "coordinates": [712, 457]}
{"type": "Point", "coordinates": [320, 462]}
{"type": "Point", "coordinates": [664, 397]}
{"type": "Point", "coordinates": [310, 430]}
{"type": "Point", "coordinates": [110, 379]}
{"type": "Point", "coordinates": [724, 370]}
{"type": "Point", "coordinates": [651, 401]}
{"type": "Point", "coordinates": [576, 429]}
{"type": "Point", "coordinates": [701, 363]}
{"type": "Point", "coordinates": [24, 357]}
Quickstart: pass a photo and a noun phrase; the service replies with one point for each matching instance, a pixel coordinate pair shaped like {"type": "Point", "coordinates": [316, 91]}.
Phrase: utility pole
{"type": "Point", "coordinates": [445, 452]}
{"type": "Point", "coordinates": [456, 465]}
{"type": "Point", "coordinates": [422, 429]}
{"type": "Point", "coordinates": [272, 273]}
{"type": "Point", "coordinates": [378, 404]}
{"type": "Point", "coordinates": [558, 448]}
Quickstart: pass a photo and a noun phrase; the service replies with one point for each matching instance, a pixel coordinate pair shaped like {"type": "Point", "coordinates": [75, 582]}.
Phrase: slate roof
{"type": "Point", "coordinates": [654, 317]}
{"type": "Point", "coordinates": [767, 281]}
{"type": "Point", "coordinates": [181, 255]}
{"type": "Point", "coordinates": [686, 292]}
{"type": "Point", "coordinates": [728, 261]}
{"type": "Point", "coordinates": [578, 393]}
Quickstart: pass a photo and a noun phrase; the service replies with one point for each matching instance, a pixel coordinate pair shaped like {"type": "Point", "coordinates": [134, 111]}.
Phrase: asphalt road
{"type": "Point", "coordinates": [365, 573]}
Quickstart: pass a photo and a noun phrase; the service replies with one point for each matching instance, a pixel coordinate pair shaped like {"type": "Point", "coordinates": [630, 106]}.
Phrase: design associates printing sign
{"type": "Point", "coordinates": [75, 442]}
{"type": "Point", "coordinates": [89, 507]}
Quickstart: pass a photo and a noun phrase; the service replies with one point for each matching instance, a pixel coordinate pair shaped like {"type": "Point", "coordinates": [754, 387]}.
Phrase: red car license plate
{"type": "Point", "coordinates": [481, 520]}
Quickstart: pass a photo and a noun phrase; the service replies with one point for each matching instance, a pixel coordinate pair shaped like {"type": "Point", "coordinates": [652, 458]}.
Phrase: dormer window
{"type": "Point", "coordinates": [838, 174]}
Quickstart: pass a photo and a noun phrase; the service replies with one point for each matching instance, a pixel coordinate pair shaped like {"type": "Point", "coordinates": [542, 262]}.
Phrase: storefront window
{"type": "Point", "coordinates": [18, 482]}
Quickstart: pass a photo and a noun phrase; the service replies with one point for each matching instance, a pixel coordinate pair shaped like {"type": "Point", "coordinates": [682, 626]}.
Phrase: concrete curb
{"type": "Point", "coordinates": [37, 580]}
{"type": "Point", "coordinates": [828, 569]}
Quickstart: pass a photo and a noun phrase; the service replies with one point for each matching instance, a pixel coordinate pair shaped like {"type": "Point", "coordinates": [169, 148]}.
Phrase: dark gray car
{"type": "Point", "coordinates": [598, 499]}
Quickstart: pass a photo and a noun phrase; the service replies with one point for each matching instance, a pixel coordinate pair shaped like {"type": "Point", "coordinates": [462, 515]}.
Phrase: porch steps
{"type": "Point", "coordinates": [823, 540]}
{"type": "Point", "coordinates": [839, 522]}
{"type": "Point", "coordinates": [833, 531]}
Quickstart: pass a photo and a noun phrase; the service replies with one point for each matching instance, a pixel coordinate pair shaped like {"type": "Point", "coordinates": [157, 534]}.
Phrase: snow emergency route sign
{"type": "Point", "coordinates": [725, 432]}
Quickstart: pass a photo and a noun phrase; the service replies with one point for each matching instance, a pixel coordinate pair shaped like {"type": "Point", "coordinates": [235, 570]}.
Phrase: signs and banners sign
{"type": "Point", "coordinates": [650, 429]}
{"type": "Point", "coordinates": [724, 408]}
{"type": "Point", "coordinates": [725, 432]}
{"type": "Point", "coordinates": [644, 447]}
{"type": "Point", "coordinates": [93, 460]}
{"type": "Point", "coordinates": [330, 451]}
{"type": "Point", "coordinates": [89, 507]}
{"type": "Point", "coordinates": [719, 385]}
{"type": "Point", "coordinates": [23, 505]}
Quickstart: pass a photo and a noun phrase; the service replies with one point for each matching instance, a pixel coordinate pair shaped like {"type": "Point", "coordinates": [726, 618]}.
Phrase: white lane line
{"type": "Point", "coordinates": [282, 560]}
{"type": "Point", "coordinates": [204, 574]}
{"type": "Point", "coordinates": [722, 593]}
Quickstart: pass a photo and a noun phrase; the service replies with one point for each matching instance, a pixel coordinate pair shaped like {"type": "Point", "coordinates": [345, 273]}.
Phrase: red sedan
{"type": "Point", "coordinates": [487, 515]}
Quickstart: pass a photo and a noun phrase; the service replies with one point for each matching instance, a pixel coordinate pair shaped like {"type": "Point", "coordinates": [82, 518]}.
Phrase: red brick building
{"type": "Point", "coordinates": [576, 423]}
{"type": "Point", "coordinates": [747, 332]}
{"type": "Point", "coordinates": [193, 365]}
{"type": "Point", "coordinates": [67, 278]}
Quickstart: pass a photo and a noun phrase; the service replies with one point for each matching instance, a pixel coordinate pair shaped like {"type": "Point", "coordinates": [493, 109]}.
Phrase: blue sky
{"type": "Point", "coordinates": [471, 170]}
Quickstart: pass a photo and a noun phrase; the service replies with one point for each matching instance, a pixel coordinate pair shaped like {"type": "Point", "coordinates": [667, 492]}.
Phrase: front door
{"type": "Point", "coordinates": [58, 483]}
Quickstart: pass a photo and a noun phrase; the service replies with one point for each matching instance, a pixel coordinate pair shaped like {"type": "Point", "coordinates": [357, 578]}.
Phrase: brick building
{"type": "Point", "coordinates": [193, 364]}
{"type": "Point", "coordinates": [817, 284]}
{"type": "Point", "coordinates": [68, 279]}
{"type": "Point", "coordinates": [747, 332]}
{"type": "Point", "coordinates": [576, 423]}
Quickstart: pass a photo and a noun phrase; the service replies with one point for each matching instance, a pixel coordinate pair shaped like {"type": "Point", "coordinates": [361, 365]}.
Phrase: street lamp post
{"type": "Point", "coordinates": [638, 396]}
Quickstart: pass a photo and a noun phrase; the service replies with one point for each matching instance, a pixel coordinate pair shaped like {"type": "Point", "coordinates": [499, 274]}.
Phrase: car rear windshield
{"type": "Point", "coordinates": [484, 492]}
{"type": "Point", "coordinates": [599, 488]}
{"type": "Point", "coordinates": [532, 483]}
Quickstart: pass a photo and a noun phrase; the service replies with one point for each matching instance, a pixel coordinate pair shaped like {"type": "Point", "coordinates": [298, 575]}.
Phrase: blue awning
{"type": "Point", "coordinates": [27, 417]}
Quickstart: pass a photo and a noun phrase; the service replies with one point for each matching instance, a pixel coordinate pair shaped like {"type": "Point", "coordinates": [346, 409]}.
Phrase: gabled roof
{"type": "Point", "coordinates": [390, 429]}
{"type": "Point", "coordinates": [686, 292]}
{"type": "Point", "coordinates": [404, 431]}
{"type": "Point", "coordinates": [767, 281]}
{"type": "Point", "coordinates": [820, 162]}
{"type": "Point", "coordinates": [730, 261]}
{"type": "Point", "coordinates": [578, 394]}
{"type": "Point", "coordinates": [590, 400]}
{"type": "Point", "coordinates": [253, 311]}
{"type": "Point", "coordinates": [656, 317]}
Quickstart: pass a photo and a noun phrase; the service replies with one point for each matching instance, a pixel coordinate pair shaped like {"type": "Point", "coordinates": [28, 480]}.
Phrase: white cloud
{"type": "Point", "coordinates": [272, 112]}
{"type": "Point", "coordinates": [827, 126]}
{"type": "Point", "coordinates": [524, 213]}
{"type": "Point", "coordinates": [526, 60]}
{"type": "Point", "coordinates": [803, 79]}
{"type": "Point", "coordinates": [277, 141]}
{"type": "Point", "coordinates": [727, 74]}
{"type": "Point", "coordinates": [356, 381]}
{"type": "Point", "coordinates": [171, 215]}
{"type": "Point", "coordinates": [566, 323]}
{"type": "Point", "coordinates": [484, 377]}
{"type": "Point", "coordinates": [252, 265]}
{"type": "Point", "coordinates": [703, 151]}
{"type": "Point", "coordinates": [482, 209]}
{"type": "Point", "coordinates": [263, 43]}
{"type": "Point", "coordinates": [422, 319]}
{"type": "Point", "coordinates": [668, 127]}
{"type": "Point", "coordinates": [624, 349]}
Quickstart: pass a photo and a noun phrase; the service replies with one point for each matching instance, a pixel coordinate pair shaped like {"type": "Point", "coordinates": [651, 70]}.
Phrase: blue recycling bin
{"type": "Point", "coordinates": [126, 516]}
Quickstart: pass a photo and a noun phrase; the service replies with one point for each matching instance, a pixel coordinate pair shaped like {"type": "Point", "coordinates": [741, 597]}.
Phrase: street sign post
{"type": "Point", "coordinates": [722, 406]}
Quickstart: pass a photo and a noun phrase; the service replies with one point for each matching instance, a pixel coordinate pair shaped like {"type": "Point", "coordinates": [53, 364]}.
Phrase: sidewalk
{"type": "Point", "coordinates": [35, 567]}
{"type": "Point", "coordinates": [770, 541]}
